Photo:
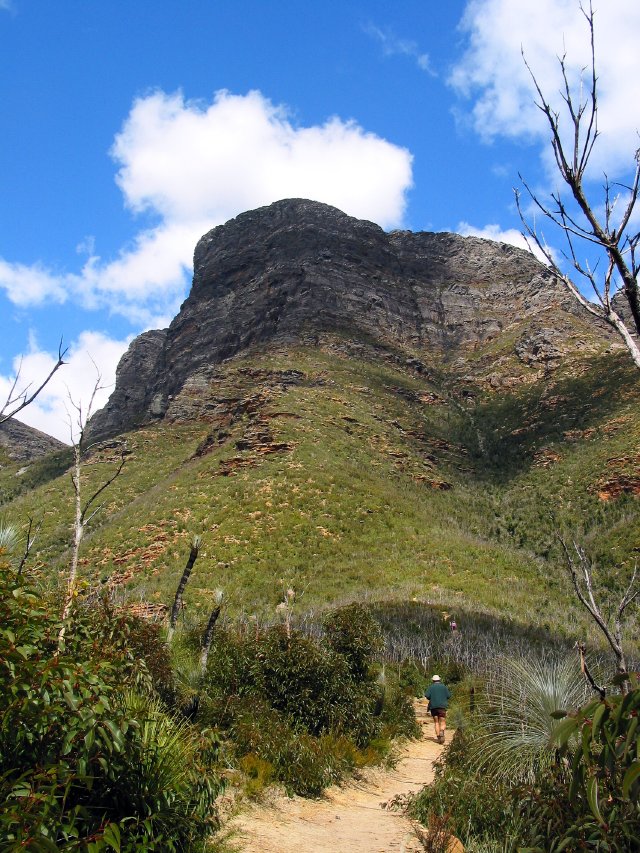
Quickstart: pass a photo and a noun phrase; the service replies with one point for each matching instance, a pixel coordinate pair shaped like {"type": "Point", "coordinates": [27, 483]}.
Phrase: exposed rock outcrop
{"type": "Point", "coordinates": [24, 443]}
{"type": "Point", "coordinates": [298, 268]}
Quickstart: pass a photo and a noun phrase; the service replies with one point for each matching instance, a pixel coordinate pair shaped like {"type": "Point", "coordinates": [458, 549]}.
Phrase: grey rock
{"type": "Point", "coordinates": [26, 444]}
{"type": "Point", "coordinates": [298, 269]}
{"type": "Point", "coordinates": [130, 403]}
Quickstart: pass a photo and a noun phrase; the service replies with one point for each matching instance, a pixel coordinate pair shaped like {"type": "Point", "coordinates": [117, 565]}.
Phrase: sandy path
{"type": "Point", "coordinates": [347, 819]}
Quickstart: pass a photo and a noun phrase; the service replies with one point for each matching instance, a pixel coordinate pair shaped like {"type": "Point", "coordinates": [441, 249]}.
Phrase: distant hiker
{"type": "Point", "coordinates": [453, 625]}
{"type": "Point", "coordinates": [438, 695]}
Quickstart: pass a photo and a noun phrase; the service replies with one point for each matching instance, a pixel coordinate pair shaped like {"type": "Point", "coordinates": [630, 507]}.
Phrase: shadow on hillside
{"type": "Point", "coordinates": [516, 429]}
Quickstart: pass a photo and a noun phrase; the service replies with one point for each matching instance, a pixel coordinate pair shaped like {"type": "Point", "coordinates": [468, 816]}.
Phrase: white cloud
{"type": "Point", "coordinates": [32, 285]}
{"type": "Point", "coordinates": [499, 235]}
{"type": "Point", "coordinates": [392, 45]}
{"type": "Point", "coordinates": [189, 161]}
{"type": "Point", "coordinates": [492, 72]}
{"type": "Point", "coordinates": [196, 165]}
{"type": "Point", "coordinates": [76, 380]}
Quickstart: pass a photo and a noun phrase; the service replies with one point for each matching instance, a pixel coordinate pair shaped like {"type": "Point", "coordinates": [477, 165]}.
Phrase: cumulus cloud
{"type": "Point", "coordinates": [194, 165]}
{"type": "Point", "coordinates": [392, 45]}
{"type": "Point", "coordinates": [500, 235]}
{"type": "Point", "coordinates": [91, 354]}
{"type": "Point", "coordinates": [31, 285]}
{"type": "Point", "coordinates": [187, 161]}
{"type": "Point", "coordinates": [492, 75]}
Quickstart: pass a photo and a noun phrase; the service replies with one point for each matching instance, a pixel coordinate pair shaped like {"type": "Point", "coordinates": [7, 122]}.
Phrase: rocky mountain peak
{"type": "Point", "coordinates": [298, 269]}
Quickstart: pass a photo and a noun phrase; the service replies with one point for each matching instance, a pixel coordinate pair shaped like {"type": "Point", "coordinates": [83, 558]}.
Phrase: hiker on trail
{"type": "Point", "coordinates": [438, 695]}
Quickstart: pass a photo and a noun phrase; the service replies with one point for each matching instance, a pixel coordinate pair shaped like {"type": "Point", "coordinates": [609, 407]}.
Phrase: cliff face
{"type": "Point", "coordinates": [297, 269]}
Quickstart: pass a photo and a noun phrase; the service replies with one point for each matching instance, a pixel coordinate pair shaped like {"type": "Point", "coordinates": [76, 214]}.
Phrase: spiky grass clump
{"type": "Point", "coordinates": [515, 739]}
{"type": "Point", "coordinates": [8, 537]}
{"type": "Point", "coordinates": [163, 775]}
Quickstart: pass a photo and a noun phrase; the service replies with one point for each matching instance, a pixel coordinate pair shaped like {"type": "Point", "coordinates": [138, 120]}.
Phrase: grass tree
{"type": "Point", "coordinates": [515, 739]}
{"type": "Point", "coordinates": [8, 537]}
{"type": "Point", "coordinates": [207, 637]}
{"type": "Point", "coordinates": [194, 551]}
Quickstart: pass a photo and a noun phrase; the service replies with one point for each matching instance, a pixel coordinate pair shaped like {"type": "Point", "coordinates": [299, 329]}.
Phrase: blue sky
{"type": "Point", "coordinates": [128, 129]}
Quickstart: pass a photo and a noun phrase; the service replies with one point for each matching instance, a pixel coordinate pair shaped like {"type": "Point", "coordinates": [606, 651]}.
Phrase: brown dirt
{"type": "Point", "coordinates": [347, 819]}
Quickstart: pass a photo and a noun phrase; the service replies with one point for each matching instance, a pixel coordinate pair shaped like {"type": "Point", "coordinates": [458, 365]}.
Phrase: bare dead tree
{"type": "Point", "coordinates": [19, 398]}
{"type": "Point", "coordinates": [581, 572]}
{"type": "Point", "coordinates": [177, 602]}
{"type": "Point", "coordinates": [579, 223]}
{"type": "Point", "coordinates": [207, 637]}
{"type": "Point", "coordinates": [84, 509]}
{"type": "Point", "coordinates": [29, 543]}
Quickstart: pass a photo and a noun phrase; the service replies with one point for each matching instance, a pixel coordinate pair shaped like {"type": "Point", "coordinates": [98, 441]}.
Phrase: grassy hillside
{"type": "Point", "coordinates": [344, 472]}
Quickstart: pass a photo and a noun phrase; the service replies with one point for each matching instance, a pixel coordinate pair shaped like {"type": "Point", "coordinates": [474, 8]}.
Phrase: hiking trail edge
{"type": "Point", "coordinates": [349, 818]}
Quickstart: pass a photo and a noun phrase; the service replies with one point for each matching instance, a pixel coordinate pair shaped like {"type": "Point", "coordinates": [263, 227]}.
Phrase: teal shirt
{"type": "Point", "coordinates": [438, 695]}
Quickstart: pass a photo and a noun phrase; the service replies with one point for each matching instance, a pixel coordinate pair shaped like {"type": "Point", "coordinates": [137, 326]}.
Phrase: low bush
{"type": "Point", "coordinates": [592, 799]}
{"type": "Point", "coordinates": [477, 807]}
{"type": "Point", "coordinates": [312, 708]}
{"type": "Point", "coordinates": [86, 759]}
{"type": "Point", "coordinates": [353, 633]}
{"type": "Point", "coordinates": [516, 778]}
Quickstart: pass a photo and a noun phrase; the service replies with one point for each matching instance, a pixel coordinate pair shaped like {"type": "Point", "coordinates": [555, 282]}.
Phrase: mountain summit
{"type": "Point", "coordinates": [298, 269]}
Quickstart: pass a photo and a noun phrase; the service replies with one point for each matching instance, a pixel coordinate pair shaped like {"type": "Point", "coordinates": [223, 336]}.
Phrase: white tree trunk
{"type": "Point", "coordinates": [78, 532]}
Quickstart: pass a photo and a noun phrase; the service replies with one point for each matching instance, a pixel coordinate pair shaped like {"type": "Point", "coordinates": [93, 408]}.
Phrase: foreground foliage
{"type": "Point", "coordinates": [88, 758]}
{"type": "Point", "coordinates": [300, 710]}
{"type": "Point", "coordinates": [578, 787]}
{"type": "Point", "coordinates": [593, 797]}
{"type": "Point", "coordinates": [103, 748]}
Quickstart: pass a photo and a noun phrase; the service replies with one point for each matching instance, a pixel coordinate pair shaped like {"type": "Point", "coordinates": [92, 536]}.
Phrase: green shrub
{"type": "Point", "coordinates": [83, 763]}
{"type": "Point", "coordinates": [592, 800]}
{"type": "Point", "coordinates": [412, 678]}
{"type": "Point", "coordinates": [353, 633]}
{"type": "Point", "coordinates": [398, 717]}
{"type": "Point", "coordinates": [315, 687]}
{"type": "Point", "coordinates": [308, 707]}
{"type": "Point", "coordinates": [477, 807]}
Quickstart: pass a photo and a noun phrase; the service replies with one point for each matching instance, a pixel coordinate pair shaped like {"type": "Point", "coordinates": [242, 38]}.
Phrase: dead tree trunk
{"type": "Point", "coordinates": [177, 602]}
{"type": "Point", "coordinates": [581, 572]}
{"type": "Point", "coordinates": [207, 637]}
{"type": "Point", "coordinates": [83, 511]}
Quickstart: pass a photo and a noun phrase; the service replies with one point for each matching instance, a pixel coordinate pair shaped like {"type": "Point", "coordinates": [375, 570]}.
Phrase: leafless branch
{"type": "Point", "coordinates": [572, 158]}
{"type": "Point", "coordinates": [105, 485]}
{"type": "Point", "coordinates": [587, 672]}
{"type": "Point", "coordinates": [18, 400]}
{"type": "Point", "coordinates": [82, 516]}
{"type": "Point", "coordinates": [581, 573]}
{"type": "Point", "coordinates": [29, 542]}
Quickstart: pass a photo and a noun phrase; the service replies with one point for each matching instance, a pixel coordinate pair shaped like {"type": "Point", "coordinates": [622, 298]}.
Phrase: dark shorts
{"type": "Point", "coordinates": [438, 712]}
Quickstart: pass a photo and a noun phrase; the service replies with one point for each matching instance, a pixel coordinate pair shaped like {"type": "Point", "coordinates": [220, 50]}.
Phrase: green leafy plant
{"type": "Point", "coordinates": [598, 781]}
{"type": "Point", "coordinates": [513, 739]}
{"type": "Point", "coordinates": [83, 763]}
{"type": "Point", "coordinates": [353, 633]}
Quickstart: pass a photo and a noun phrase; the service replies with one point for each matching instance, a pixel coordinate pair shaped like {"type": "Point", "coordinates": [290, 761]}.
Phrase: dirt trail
{"type": "Point", "coordinates": [347, 819]}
